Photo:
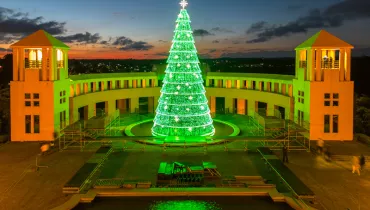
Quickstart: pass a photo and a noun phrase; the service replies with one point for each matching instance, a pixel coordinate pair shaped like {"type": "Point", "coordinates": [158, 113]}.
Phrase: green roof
{"type": "Point", "coordinates": [40, 39]}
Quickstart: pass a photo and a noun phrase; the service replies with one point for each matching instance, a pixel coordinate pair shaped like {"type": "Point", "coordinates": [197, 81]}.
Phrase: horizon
{"type": "Point", "coordinates": [142, 30]}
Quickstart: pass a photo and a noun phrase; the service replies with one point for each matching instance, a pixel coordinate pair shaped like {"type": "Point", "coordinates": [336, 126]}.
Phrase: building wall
{"type": "Point", "coordinates": [344, 110]}
{"type": "Point", "coordinates": [19, 110]}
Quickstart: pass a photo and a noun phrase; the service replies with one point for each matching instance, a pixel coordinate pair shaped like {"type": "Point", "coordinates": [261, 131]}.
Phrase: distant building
{"type": "Point", "coordinates": [45, 100]}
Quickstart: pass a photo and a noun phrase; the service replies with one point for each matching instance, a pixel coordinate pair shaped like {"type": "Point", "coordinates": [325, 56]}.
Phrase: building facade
{"type": "Point", "coordinates": [45, 99]}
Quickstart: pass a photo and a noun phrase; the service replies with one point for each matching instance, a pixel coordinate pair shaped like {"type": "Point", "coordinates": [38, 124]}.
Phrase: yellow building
{"type": "Point", "coordinates": [44, 99]}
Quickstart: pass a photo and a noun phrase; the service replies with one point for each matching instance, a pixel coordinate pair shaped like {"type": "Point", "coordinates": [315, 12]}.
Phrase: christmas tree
{"type": "Point", "coordinates": [183, 107]}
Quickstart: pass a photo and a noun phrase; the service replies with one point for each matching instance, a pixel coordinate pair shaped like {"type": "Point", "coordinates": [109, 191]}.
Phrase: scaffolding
{"type": "Point", "coordinates": [279, 132]}
{"type": "Point", "coordinates": [84, 132]}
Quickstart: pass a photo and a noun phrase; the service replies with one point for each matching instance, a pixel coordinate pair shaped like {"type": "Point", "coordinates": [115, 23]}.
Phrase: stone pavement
{"type": "Point", "coordinates": [21, 188]}
{"type": "Point", "coordinates": [333, 183]}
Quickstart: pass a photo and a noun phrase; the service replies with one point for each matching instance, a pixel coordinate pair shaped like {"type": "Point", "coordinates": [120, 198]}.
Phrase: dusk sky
{"type": "Point", "coordinates": [143, 29]}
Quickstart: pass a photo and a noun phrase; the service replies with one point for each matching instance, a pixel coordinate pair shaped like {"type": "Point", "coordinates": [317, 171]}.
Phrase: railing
{"type": "Point", "coordinates": [302, 64]}
{"type": "Point", "coordinates": [32, 64]}
{"type": "Point", "coordinates": [60, 64]}
{"type": "Point", "coordinates": [330, 64]}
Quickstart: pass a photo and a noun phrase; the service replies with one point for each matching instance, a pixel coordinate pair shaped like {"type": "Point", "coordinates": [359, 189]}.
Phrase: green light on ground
{"type": "Point", "coordinates": [184, 205]}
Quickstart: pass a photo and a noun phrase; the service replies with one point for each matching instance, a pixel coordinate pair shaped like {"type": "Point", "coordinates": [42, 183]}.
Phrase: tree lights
{"type": "Point", "coordinates": [183, 107]}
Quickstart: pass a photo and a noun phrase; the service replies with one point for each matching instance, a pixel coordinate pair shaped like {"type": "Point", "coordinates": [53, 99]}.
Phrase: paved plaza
{"type": "Point", "coordinates": [22, 188]}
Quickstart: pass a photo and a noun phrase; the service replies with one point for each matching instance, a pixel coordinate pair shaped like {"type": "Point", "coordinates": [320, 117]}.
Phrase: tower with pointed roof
{"type": "Point", "coordinates": [40, 88]}
{"type": "Point", "coordinates": [323, 90]}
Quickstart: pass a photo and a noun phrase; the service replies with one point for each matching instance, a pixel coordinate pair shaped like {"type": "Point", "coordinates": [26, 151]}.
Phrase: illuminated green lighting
{"type": "Point", "coordinates": [183, 106]}
{"type": "Point", "coordinates": [184, 205]}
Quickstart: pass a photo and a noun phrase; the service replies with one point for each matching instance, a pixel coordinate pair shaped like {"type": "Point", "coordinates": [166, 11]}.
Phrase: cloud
{"type": "Point", "coordinates": [86, 38]}
{"type": "Point", "coordinates": [222, 30]}
{"type": "Point", "coordinates": [15, 25]}
{"type": "Point", "coordinates": [202, 32]}
{"type": "Point", "coordinates": [257, 27]}
{"type": "Point", "coordinates": [163, 41]}
{"type": "Point", "coordinates": [331, 17]}
{"type": "Point", "coordinates": [215, 41]}
{"type": "Point", "coordinates": [136, 46]}
{"type": "Point", "coordinates": [4, 50]}
{"type": "Point", "coordinates": [162, 54]}
{"type": "Point", "coordinates": [212, 50]}
{"type": "Point", "coordinates": [236, 42]}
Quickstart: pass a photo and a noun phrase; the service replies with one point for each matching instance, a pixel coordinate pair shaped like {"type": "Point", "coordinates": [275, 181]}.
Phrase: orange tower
{"type": "Point", "coordinates": [323, 88]}
{"type": "Point", "coordinates": [39, 89]}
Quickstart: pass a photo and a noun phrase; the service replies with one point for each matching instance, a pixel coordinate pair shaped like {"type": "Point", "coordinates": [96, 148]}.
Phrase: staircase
{"type": "Point", "coordinates": [91, 134]}
{"type": "Point", "coordinates": [279, 134]}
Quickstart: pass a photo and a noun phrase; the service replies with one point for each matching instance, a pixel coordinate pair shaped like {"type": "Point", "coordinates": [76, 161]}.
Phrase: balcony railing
{"type": "Point", "coordinates": [330, 64]}
{"type": "Point", "coordinates": [33, 64]}
{"type": "Point", "coordinates": [302, 64]}
{"type": "Point", "coordinates": [60, 64]}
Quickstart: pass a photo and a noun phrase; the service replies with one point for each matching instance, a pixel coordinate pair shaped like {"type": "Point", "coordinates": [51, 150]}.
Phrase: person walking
{"type": "Point", "coordinates": [362, 162]}
{"type": "Point", "coordinates": [320, 146]}
{"type": "Point", "coordinates": [356, 165]}
{"type": "Point", "coordinates": [285, 154]}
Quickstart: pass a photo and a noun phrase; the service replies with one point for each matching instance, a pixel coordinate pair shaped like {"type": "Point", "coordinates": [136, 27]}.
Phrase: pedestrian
{"type": "Point", "coordinates": [327, 154]}
{"type": "Point", "coordinates": [356, 165]}
{"type": "Point", "coordinates": [320, 146]}
{"type": "Point", "coordinates": [285, 154]}
{"type": "Point", "coordinates": [362, 162]}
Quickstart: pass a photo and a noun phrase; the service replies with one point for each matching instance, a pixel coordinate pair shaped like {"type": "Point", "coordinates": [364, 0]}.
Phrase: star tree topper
{"type": "Point", "coordinates": [184, 3]}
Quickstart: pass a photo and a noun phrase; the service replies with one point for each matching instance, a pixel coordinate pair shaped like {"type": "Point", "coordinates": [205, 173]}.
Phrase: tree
{"type": "Point", "coordinates": [183, 107]}
{"type": "Point", "coordinates": [362, 114]}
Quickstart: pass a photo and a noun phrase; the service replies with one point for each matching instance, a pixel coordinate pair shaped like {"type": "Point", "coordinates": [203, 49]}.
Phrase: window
{"type": "Point", "coordinates": [35, 99]}
{"type": "Point", "coordinates": [36, 123]}
{"type": "Point", "coordinates": [301, 96]}
{"type": "Point", "coordinates": [335, 99]}
{"type": "Point", "coordinates": [328, 100]}
{"type": "Point", "coordinates": [117, 84]}
{"type": "Point", "coordinates": [63, 97]}
{"type": "Point", "coordinates": [327, 124]}
{"type": "Point", "coordinates": [335, 123]}
{"type": "Point", "coordinates": [28, 123]}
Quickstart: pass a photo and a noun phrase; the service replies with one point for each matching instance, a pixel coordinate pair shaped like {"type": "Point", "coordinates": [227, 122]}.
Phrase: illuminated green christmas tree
{"type": "Point", "coordinates": [183, 107]}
